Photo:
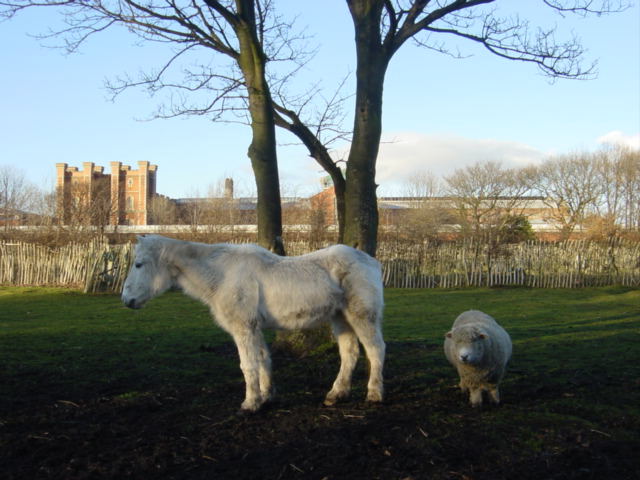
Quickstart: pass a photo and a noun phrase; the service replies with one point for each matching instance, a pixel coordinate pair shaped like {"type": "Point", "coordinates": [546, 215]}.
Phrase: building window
{"type": "Point", "coordinates": [129, 204]}
{"type": "Point", "coordinates": [130, 182]}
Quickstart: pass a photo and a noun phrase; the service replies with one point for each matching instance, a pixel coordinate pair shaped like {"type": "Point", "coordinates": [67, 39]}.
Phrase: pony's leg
{"type": "Point", "coordinates": [250, 344]}
{"type": "Point", "coordinates": [267, 390]}
{"type": "Point", "coordinates": [367, 328]}
{"type": "Point", "coordinates": [349, 351]}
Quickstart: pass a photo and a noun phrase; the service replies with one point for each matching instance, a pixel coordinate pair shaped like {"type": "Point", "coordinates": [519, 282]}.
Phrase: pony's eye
{"type": "Point", "coordinates": [138, 264]}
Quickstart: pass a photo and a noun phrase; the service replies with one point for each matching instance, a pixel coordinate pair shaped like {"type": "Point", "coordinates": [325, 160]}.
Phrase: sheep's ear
{"type": "Point", "coordinates": [449, 334]}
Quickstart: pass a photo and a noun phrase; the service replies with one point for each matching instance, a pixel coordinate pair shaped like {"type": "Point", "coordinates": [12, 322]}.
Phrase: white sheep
{"type": "Point", "coordinates": [480, 349]}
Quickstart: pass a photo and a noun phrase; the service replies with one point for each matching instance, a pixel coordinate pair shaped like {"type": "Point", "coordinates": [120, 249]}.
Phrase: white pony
{"type": "Point", "coordinates": [248, 288]}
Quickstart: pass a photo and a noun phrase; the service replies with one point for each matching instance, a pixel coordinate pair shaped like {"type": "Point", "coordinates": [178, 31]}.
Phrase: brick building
{"type": "Point", "coordinates": [120, 198]}
{"type": "Point", "coordinates": [325, 201]}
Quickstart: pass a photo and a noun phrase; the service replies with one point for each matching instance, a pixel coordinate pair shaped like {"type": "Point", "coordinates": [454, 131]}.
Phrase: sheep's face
{"type": "Point", "coordinates": [470, 345]}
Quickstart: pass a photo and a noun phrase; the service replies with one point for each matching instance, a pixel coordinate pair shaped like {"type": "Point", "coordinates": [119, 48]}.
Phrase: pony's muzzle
{"type": "Point", "coordinates": [131, 303]}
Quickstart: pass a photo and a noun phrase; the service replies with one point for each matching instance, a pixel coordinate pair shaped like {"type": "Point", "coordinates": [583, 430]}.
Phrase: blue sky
{"type": "Point", "coordinates": [439, 113]}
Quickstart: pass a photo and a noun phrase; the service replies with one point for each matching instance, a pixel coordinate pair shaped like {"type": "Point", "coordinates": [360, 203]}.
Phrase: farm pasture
{"type": "Point", "coordinates": [93, 390]}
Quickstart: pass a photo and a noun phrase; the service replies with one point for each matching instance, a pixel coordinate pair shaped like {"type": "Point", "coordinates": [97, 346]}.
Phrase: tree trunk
{"type": "Point", "coordinates": [339, 187]}
{"type": "Point", "coordinates": [262, 151]}
{"type": "Point", "coordinates": [361, 205]}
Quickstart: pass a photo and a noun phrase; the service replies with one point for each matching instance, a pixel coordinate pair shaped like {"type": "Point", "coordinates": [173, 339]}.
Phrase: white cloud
{"type": "Point", "coordinates": [405, 154]}
{"type": "Point", "coordinates": [617, 137]}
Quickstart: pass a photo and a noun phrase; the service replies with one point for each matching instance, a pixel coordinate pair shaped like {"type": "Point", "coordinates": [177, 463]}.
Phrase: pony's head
{"type": "Point", "coordinates": [149, 275]}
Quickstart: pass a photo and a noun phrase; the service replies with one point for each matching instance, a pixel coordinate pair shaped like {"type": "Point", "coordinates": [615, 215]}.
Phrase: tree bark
{"type": "Point", "coordinates": [262, 151]}
{"type": "Point", "coordinates": [361, 205]}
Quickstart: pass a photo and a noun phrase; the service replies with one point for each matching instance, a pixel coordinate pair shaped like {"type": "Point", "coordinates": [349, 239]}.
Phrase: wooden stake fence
{"type": "Point", "coordinates": [95, 266]}
{"type": "Point", "coordinates": [570, 264]}
{"type": "Point", "coordinates": [100, 267]}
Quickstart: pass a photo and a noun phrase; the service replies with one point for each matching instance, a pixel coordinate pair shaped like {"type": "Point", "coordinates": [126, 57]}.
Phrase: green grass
{"type": "Point", "coordinates": [581, 344]}
{"type": "Point", "coordinates": [60, 340]}
{"type": "Point", "coordinates": [65, 343]}
{"type": "Point", "coordinates": [574, 379]}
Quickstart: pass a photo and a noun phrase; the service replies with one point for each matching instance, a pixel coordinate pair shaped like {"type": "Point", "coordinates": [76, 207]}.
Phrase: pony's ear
{"type": "Point", "coordinates": [140, 237]}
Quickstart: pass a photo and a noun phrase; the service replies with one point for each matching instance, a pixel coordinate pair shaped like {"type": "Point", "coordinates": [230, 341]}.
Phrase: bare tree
{"type": "Point", "coordinates": [219, 210]}
{"type": "Point", "coordinates": [629, 162]}
{"type": "Point", "coordinates": [101, 206]}
{"type": "Point", "coordinates": [424, 185]}
{"type": "Point", "coordinates": [382, 27]}
{"type": "Point", "coordinates": [85, 207]}
{"type": "Point", "coordinates": [17, 195]}
{"type": "Point", "coordinates": [619, 172]}
{"type": "Point", "coordinates": [486, 196]}
{"type": "Point", "coordinates": [572, 186]}
{"type": "Point", "coordinates": [190, 211]}
{"type": "Point", "coordinates": [429, 212]}
{"type": "Point", "coordinates": [45, 209]}
{"type": "Point", "coordinates": [162, 211]}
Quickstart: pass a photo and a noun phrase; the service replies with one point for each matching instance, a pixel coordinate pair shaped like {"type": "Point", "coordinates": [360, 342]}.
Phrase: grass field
{"type": "Point", "coordinates": [90, 389]}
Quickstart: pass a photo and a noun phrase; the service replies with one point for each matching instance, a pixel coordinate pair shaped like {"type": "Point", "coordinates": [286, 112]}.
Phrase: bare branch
{"type": "Point", "coordinates": [513, 42]}
{"type": "Point", "coordinates": [587, 7]}
{"type": "Point", "coordinates": [149, 81]}
{"type": "Point", "coordinates": [213, 89]}
{"type": "Point", "coordinates": [510, 38]}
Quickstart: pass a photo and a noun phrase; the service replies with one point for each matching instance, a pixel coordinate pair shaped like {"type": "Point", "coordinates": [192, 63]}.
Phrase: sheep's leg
{"type": "Point", "coordinates": [475, 397]}
{"type": "Point", "coordinates": [349, 351]}
{"type": "Point", "coordinates": [463, 386]}
{"type": "Point", "coordinates": [494, 394]}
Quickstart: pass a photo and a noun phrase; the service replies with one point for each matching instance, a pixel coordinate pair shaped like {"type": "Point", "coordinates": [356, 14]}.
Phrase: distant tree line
{"type": "Point", "coordinates": [597, 192]}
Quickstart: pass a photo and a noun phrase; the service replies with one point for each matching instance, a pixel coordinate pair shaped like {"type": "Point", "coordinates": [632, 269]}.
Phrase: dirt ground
{"type": "Point", "coordinates": [423, 431]}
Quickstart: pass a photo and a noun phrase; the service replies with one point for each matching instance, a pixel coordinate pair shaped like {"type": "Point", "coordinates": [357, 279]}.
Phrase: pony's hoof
{"type": "Point", "coordinates": [250, 407]}
{"type": "Point", "coordinates": [332, 398]}
{"type": "Point", "coordinates": [242, 413]}
{"type": "Point", "coordinates": [330, 402]}
{"type": "Point", "coordinates": [375, 397]}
